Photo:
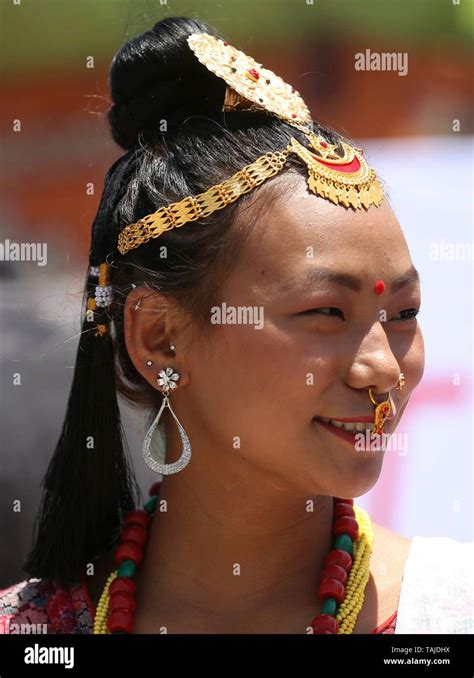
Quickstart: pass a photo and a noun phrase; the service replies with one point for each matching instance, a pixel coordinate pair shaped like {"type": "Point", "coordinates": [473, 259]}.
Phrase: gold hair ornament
{"type": "Point", "coordinates": [343, 179]}
{"type": "Point", "coordinates": [103, 295]}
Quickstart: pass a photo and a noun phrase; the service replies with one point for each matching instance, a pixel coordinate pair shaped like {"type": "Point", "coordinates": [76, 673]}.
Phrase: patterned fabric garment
{"type": "Point", "coordinates": [57, 610]}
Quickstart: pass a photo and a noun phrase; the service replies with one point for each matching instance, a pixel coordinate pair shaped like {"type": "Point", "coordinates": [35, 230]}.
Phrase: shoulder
{"type": "Point", "coordinates": [437, 594]}
{"type": "Point", "coordinates": [387, 563]}
{"type": "Point", "coordinates": [389, 556]}
{"type": "Point", "coordinates": [390, 549]}
{"type": "Point", "coordinates": [39, 606]}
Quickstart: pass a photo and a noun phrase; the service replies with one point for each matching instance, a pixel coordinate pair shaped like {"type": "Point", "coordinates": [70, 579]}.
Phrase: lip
{"type": "Point", "coordinates": [352, 420]}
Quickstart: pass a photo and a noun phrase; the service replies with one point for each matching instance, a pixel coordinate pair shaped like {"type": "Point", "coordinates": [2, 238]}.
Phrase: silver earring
{"type": "Point", "coordinates": [167, 379]}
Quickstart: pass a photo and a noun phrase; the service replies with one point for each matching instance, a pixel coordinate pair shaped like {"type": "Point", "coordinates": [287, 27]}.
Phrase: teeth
{"type": "Point", "coordinates": [356, 426]}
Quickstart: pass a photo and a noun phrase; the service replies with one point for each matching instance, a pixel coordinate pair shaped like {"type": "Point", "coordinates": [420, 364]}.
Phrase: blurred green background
{"type": "Point", "coordinates": [47, 33]}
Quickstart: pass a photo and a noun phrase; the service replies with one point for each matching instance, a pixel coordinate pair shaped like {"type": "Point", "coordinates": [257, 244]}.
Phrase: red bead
{"type": "Point", "coordinates": [323, 144]}
{"type": "Point", "coordinates": [120, 620]}
{"type": "Point", "coordinates": [332, 588]}
{"type": "Point", "coordinates": [135, 533]}
{"type": "Point", "coordinates": [335, 572]}
{"type": "Point", "coordinates": [344, 501]}
{"type": "Point", "coordinates": [129, 550]}
{"type": "Point", "coordinates": [324, 623]}
{"type": "Point", "coordinates": [342, 509]}
{"type": "Point", "coordinates": [122, 584]}
{"type": "Point", "coordinates": [138, 517]}
{"type": "Point", "coordinates": [255, 74]}
{"type": "Point", "coordinates": [155, 489]}
{"type": "Point", "coordinates": [346, 525]}
{"type": "Point", "coordinates": [339, 557]}
{"type": "Point", "coordinates": [379, 287]}
{"type": "Point", "coordinates": [122, 601]}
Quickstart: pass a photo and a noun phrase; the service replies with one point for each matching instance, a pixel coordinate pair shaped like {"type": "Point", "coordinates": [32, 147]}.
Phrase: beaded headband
{"type": "Point", "coordinates": [343, 179]}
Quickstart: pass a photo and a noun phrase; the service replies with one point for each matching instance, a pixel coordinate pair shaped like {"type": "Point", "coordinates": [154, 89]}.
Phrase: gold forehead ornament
{"type": "Point", "coordinates": [343, 178]}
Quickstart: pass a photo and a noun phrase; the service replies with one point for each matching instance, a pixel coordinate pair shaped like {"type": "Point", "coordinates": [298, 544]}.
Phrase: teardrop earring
{"type": "Point", "coordinates": [167, 379]}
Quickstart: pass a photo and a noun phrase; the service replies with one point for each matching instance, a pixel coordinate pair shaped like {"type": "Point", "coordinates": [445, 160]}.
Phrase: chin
{"type": "Point", "coordinates": [348, 478]}
{"type": "Point", "coordinates": [348, 482]}
{"type": "Point", "coordinates": [357, 479]}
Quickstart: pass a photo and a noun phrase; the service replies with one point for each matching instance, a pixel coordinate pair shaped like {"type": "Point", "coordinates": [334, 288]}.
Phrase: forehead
{"type": "Point", "coordinates": [296, 230]}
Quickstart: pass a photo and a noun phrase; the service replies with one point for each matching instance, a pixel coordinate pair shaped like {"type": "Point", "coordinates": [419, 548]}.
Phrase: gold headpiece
{"type": "Point", "coordinates": [344, 180]}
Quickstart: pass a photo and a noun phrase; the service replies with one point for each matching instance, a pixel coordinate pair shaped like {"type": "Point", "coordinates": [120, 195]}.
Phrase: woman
{"type": "Point", "coordinates": [278, 334]}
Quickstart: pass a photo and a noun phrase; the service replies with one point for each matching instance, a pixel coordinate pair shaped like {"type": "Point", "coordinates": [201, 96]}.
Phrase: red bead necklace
{"type": "Point", "coordinates": [118, 603]}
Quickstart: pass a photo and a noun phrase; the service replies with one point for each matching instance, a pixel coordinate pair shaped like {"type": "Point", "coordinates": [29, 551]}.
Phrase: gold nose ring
{"type": "Point", "coordinates": [401, 381]}
{"type": "Point", "coordinates": [382, 411]}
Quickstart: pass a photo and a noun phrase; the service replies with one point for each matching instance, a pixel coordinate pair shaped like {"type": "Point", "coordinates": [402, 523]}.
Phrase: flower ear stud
{"type": "Point", "coordinates": [167, 379]}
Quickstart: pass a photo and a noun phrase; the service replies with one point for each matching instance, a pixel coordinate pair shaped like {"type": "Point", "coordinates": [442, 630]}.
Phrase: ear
{"type": "Point", "coordinates": [151, 325]}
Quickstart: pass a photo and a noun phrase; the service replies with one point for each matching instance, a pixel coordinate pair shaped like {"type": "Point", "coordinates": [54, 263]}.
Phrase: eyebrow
{"type": "Point", "coordinates": [319, 275]}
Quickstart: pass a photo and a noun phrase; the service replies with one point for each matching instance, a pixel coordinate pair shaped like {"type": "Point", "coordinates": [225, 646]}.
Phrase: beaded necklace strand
{"type": "Point", "coordinates": [341, 588]}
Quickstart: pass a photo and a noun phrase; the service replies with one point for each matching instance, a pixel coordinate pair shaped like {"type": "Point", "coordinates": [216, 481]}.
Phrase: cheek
{"type": "Point", "coordinates": [250, 369]}
{"type": "Point", "coordinates": [268, 377]}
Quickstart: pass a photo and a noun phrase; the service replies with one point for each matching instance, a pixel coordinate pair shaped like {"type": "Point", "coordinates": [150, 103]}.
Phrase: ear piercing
{"type": "Point", "coordinates": [172, 347]}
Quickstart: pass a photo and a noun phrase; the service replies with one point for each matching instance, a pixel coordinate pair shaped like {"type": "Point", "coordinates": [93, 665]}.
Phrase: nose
{"type": "Point", "coordinates": [374, 365]}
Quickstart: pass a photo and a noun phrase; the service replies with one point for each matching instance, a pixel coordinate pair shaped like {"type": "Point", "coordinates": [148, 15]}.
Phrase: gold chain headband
{"type": "Point", "coordinates": [202, 205]}
{"type": "Point", "coordinates": [346, 180]}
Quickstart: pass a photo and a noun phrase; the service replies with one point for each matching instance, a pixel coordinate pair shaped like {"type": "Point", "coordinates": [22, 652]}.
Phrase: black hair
{"type": "Point", "coordinates": [166, 113]}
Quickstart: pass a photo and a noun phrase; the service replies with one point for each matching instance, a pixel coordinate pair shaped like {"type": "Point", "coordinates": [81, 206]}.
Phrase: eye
{"type": "Point", "coordinates": [407, 314]}
{"type": "Point", "coordinates": [328, 311]}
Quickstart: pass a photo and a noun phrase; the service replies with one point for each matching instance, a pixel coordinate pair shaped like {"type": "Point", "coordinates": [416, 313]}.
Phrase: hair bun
{"type": "Point", "coordinates": [156, 76]}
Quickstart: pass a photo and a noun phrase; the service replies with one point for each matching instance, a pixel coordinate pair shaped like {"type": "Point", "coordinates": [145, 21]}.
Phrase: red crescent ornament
{"type": "Point", "coordinates": [350, 167]}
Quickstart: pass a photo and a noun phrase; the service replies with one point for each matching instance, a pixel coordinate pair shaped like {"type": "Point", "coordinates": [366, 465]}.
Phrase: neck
{"type": "Point", "coordinates": [231, 541]}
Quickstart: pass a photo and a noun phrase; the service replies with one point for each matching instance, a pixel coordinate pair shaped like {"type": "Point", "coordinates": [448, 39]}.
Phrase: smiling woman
{"type": "Point", "coordinates": [230, 196]}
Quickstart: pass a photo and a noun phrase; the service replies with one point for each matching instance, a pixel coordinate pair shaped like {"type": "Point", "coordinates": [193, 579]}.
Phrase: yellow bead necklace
{"type": "Point", "coordinates": [339, 613]}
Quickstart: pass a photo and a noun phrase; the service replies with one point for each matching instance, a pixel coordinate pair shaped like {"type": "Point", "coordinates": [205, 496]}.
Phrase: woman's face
{"type": "Point", "coordinates": [320, 338]}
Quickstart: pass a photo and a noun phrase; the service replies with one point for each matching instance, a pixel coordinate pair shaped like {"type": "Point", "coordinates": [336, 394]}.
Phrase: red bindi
{"type": "Point", "coordinates": [379, 287]}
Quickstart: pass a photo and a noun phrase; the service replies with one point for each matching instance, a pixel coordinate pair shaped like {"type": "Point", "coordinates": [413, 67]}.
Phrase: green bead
{"type": "Point", "coordinates": [150, 505]}
{"type": "Point", "coordinates": [127, 569]}
{"type": "Point", "coordinates": [329, 606]}
{"type": "Point", "coordinates": [344, 542]}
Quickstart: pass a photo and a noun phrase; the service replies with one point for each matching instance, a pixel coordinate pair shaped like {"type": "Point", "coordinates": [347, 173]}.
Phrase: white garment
{"type": "Point", "coordinates": [437, 593]}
